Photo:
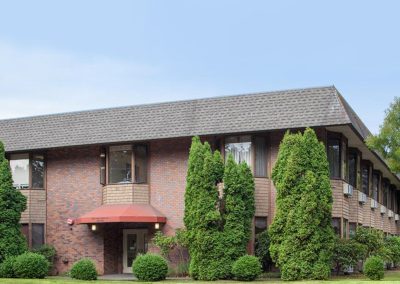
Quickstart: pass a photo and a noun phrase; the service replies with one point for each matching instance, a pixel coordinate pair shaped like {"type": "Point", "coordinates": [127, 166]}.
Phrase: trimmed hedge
{"type": "Point", "coordinates": [30, 265]}
{"type": "Point", "coordinates": [7, 267]}
{"type": "Point", "coordinates": [84, 269]}
{"type": "Point", "coordinates": [374, 268]}
{"type": "Point", "coordinates": [150, 267]}
{"type": "Point", "coordinates": [247, 268]}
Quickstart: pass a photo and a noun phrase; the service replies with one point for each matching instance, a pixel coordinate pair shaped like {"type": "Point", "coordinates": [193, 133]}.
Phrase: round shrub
{"type": "Point", "coordinates": [7, 267]}
{"type": "Point", "coordinates": [150, 267]}
{"type": "Point", "coordinates": [247, 268]}
{"type": "Point", "coordinates": [84, 269]}
{"type": "Point", "coordinates": [30, 265]}
{"type": "Point", "coordinates": [373, 268]}
{"type": "Point", "coordinates": [49, 252]}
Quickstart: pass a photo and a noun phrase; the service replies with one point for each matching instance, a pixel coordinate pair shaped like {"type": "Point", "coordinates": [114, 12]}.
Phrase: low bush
{"type": "Point", "coordinates": [49, 252]}
{"type": "Point", "coordinates": [84, 269]}
{"type": "Point", "coordinates": [7, 268]}
{"type": "Point", "coordinates": [246, 268]}
{"type": "Point", "coordinates": [30, 265]}
{"type": "Point", "coordinates": [150, 267]}
{"type": "Point", "coordinates": [373, 268]}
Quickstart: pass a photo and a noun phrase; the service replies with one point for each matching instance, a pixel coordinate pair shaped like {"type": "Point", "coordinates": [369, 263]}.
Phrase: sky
{"type": "Point", "coordinates": [59, 56]}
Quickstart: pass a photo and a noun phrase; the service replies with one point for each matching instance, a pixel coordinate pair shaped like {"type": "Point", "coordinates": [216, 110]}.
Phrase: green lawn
{"type": "Point", "coordinates": [390, 277]}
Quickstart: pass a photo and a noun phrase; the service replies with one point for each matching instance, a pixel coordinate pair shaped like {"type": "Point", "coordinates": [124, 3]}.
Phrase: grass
{"type": "Point", "coordinates": [390, 277]}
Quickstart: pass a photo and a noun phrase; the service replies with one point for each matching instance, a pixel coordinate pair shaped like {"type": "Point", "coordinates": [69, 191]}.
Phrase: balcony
{"type": "Point", "coordinates": [126, 194]}
{"type": "Point", "coordinates": [396, 217]}
{"type": "Point", "coordinates": [390, 214]}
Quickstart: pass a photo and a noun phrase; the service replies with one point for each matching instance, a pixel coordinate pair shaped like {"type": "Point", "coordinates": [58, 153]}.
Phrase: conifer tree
{"type": "Point", "coordinates": [238, 212]}
{"type": "Point", "coordinates": [12, 204]}
{"type": "Point", "coordinates": [217, 236]}
{"type": "Point", "coordinates": [301, 233]}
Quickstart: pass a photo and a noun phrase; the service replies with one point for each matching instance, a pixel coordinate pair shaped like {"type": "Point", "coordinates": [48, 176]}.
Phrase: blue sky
{"type": "Point", "coordinates": [58, 56]}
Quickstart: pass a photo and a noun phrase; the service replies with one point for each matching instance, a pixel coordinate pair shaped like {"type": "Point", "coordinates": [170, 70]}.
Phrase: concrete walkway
{"type": "Point", "coordinates": [118, 277]}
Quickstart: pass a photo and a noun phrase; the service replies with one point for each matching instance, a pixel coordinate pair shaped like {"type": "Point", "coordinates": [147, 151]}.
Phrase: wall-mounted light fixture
{"type": "Point", "coordinates": [157, 226]}
{"type": "Point", "coordinates": [93, 227]}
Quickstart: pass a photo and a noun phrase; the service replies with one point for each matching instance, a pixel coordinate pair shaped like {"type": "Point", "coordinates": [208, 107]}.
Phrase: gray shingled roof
{"type": "Point", "coordinates": [231, 114]}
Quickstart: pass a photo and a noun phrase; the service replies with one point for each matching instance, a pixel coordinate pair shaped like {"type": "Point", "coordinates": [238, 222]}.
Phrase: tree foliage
{"type": "Point", "coordinates": [262, 250]}
{"type": "Point", "coordinates": [347, 253]}
{"type": "Point", "coordinates": [387, 142]}
{"type": "Point", "coordinates": [372, 239]}
{"type": "Point", "coordinates": [217, 235]}
{"type": "Point", "coordinates": [12, 204]}
{"type": "Point", "coordinates": [301, 234]}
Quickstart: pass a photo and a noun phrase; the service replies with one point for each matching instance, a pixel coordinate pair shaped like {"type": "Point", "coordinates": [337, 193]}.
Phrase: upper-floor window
{"type": "Point", "coordinates": [352, 164]}
{"type": "Point", "coordinates": [334, 157]}
{"type": "Point", "coordinates": [386, 195]}
{"type": "Point", "coordinates": [250, 150]}
{"type": "Point", "coordinates": [120, 164]}
{"type": "Point", "coordinates": [239, 147]}
{"type": "Point", "coordinates": [28, 171]}
{"type": "Point", "coordinates": [375, 186]}
{"type": "Point", "coordinates": [126, 164]}
{"type": "Point", "coordinates": [260, 165]}
{"type": "Point", "coordinates": [365, 178]}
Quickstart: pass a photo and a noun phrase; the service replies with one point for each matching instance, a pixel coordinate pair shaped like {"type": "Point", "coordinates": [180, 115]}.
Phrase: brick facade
{"type": "Point", "coordinates": [73, 189]}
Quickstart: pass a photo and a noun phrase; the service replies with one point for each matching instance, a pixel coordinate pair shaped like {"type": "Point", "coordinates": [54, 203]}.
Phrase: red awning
{"type": "Point", "coordinates": [118, 213]}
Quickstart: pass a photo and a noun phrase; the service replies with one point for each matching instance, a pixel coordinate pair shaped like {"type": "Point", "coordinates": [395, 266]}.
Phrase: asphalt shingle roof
{"type": "Point", "coordinates": [231, 114]}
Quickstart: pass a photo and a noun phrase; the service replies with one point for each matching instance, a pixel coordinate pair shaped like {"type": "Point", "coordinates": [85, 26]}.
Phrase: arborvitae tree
{"type": "Point", "coordinates": [238, 212]}
{"type": "Point", "coordinates": [301, 234]}
{"type": "Point", "coordinates": [215, 239]}
{"type": "Point", "coordinates": [202, 217]}
{"type": "Point", "coordinates": [218, 167]}
{"type": "Point", "coordinates": [12, 204]}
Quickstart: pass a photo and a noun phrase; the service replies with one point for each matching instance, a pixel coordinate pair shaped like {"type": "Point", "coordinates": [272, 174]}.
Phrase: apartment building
{"type": "Point", "coordinates": [99, 183]}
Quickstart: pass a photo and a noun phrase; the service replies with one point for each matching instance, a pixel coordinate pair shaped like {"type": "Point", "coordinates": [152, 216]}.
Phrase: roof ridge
{"type": "Point", "coordinates": [332, 87]}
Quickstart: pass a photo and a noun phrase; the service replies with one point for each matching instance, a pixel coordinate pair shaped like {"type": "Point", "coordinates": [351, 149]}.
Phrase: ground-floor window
{"type": "Point", "coordinates": [352, 230]}
{"type": "Point", "coordinates": [260, 224]}
{"type": "Point", "coordinates": [34, 234]}
{"type": "Point", "coordinates": [345, 228]}
{"type": "Point", "coordinates": [336, 224]}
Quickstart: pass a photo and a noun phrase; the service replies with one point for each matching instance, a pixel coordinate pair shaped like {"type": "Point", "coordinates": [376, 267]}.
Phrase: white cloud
{"type": "Point", "coordinates": [38, 81]}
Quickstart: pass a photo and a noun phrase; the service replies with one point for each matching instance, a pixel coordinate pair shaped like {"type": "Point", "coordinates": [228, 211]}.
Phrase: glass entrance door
{"type": "Point", "coordinates": [134, 244]}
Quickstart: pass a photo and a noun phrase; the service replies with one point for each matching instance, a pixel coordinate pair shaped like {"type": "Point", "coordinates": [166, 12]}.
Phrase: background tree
{"type": "Point", "coordinates": [387, 142]}
{"type": "Point", "coordinates": [301, 234]}
{"type": "Point", "coordinates": [12, 204]}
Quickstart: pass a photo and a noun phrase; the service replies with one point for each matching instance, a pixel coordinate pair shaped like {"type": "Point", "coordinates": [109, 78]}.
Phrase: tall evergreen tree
{"type": "Point", "coordinates": [301, 234]}
{"type": "Point", "coordinates": [12, 204]}
{"type": "Point", "coordinates": [202, 216]}
{"type": "Point", "coordinates": [217, 235]}
{"type": "Point", "coordinates": [238, 212]}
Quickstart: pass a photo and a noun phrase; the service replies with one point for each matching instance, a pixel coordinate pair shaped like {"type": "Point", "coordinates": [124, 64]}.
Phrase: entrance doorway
{"type": "Point", "coordinates": [134, 243]}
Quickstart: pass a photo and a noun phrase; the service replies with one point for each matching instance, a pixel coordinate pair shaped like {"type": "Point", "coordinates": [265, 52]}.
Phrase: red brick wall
{"type": "Point", "coordinates": [73, 189]}
{"type": "Point", "coordinates": [168, 166]}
